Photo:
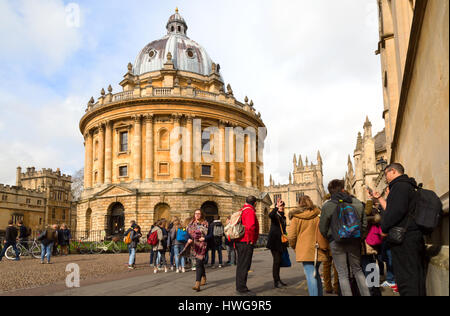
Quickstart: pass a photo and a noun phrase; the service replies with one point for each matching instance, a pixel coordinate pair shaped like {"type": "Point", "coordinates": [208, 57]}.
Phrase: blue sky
{"type": "Point", "coordinates": [309, 67]}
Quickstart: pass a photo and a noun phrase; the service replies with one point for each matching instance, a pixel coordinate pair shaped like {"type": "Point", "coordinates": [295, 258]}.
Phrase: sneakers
{"type": "Point", "coordinates": [178, 271]}
{"type": "Point", "coordinates": [220, 266]}
{"type": "Point", "coordinates": [165, 270]}
{"type": "Point", "coordinates": [183, 270]}
{"type": "Point", "coordinates": [193, 269]}
{"type": "Point", "coordinates": [155, 271]}
{"type": "Point", "coordinates": [387, 284]}
{"type": "Point", "coordinates": [171, 268]}
{"type": "Point", "coordinates": [131, 267]}
{"type": "Point", "coordinates": [394, 288]}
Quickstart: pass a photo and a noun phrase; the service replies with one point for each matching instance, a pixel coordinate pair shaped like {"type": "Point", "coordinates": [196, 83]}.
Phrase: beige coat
{"type": "Point", "coordinates": [303, 233]}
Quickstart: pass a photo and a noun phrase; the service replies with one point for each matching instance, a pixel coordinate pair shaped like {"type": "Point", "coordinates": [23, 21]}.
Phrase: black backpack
{"type": "Point", "coordinates": [428, 209]}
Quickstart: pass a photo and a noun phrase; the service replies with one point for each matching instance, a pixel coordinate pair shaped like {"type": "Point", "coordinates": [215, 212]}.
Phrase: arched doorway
{"type": "Point", "coordinates": [116, 219]}
{"type": "Point", "coordinates": [88, 222]}
{"type": "Point", "coordinates": [210, 210]}
{"type": "Point", "coordinates": [162, 210]}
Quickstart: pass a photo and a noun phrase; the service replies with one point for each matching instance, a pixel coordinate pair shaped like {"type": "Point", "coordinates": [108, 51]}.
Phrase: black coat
{"type": "Point", "coordinates": [399, 204]}
{"type": "Point", "coordinates": [274, 238]}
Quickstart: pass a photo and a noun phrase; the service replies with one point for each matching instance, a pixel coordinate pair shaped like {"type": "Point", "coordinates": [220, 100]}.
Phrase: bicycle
{"type": "Point", "coordinates": [81, 246]}
{"type": "Point", "coordinates": [103, 246]}
{"type": "Point", "coordinates": [34, 250]}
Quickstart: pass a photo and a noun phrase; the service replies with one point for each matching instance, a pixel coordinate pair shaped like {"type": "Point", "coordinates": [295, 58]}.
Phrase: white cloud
{"type": "Point", "coordinates": [35, 34]}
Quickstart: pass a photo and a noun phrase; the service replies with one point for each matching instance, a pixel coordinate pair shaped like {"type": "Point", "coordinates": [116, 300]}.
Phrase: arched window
{"type": "Point", "coordinates": [164, 139]}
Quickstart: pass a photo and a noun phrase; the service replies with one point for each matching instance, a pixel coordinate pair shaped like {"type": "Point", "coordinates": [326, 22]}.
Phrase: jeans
{"type": "Point", "coordinates": [46, 249]}
{"type": "Point", "coordinates": [172, 255]}
{"type": "Point", "coordinates": [160, 258]}
{"type": "Point", "coordinates": [152, 256]}
{"type": "Point", "coordinates": [177, 249]}
{"type": "Point", "coordinates": [132, 259]}
{"type": "Point", "coordinates": [351, 251]}
{"type": "Point", "coordinates": [314, 283]}
{"type": "Point", "coordinates": [130, 250]}
{"type": "Point", "coordinates": [389, 269]}
{"type": "Point", "coordinates": [231, 254]}
{"type": "Point", "coordinates": [213, 254]}
{"type": "Point", "coordinates": [6, 246]}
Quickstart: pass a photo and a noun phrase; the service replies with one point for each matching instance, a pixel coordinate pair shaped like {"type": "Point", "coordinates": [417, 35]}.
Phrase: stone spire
{"type": "Point", "coordinates": [319, 158]}
{"type": "Point", "coordinates": [367, 128]}
{"type": "Point", "coordinates": [300, 162]}
{"type": "Point", "coordinates": [306, 161]}
{"type": "Point", "coordinates": [359, 142]}
{"type": "Point", "coordinates": [295, 161]}
{"type": "Point", "coordinates": [290, 178]}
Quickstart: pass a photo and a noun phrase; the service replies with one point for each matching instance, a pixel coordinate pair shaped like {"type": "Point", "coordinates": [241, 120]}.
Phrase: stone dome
{"type": "Point", "coordinates": [187, 55]}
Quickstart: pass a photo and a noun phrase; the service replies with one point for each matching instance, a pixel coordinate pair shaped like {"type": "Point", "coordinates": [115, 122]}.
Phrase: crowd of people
{"type": "Point", "coordinates": [54, 240]}
{"type": "Point", "coordinates": [348, 236]}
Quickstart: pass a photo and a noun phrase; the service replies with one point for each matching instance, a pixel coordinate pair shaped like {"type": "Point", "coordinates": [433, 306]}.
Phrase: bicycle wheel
{"type": "Point", "coordinates": [116, 248]}
{"type": "Point", "coordinates": [36, 251]}
{"type": "Point", "coordinates": [97, 247]}
{"type": "Point", "coordinates": [10, 254]}
{"type": "Point", "coordinates": [83, 248]}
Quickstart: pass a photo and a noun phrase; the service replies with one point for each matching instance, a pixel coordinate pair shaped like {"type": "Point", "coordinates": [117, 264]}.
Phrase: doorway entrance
{"type": "Point", "coordinates": [210, 210]}
{"type": "Point", "coordinates": [116, 219]}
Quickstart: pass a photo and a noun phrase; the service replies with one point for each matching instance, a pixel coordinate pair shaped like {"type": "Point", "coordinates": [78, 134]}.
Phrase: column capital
{"type": "Point", "coordinates": [149, 117]}
{"type": "Point", "coordinates": [177, 117]}
{"type": "Point", "coordinates": [136, 118]}
{"type": "Point", "coordinates": [223, 123]}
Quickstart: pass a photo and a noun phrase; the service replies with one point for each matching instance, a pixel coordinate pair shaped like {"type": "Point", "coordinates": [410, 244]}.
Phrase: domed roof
{"type": "Point", "coordinates": [187, 55]}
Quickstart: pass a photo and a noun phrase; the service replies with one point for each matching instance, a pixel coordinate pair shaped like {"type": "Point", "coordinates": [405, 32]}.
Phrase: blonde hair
{"type": "Point", "coordinates": [306, 203]}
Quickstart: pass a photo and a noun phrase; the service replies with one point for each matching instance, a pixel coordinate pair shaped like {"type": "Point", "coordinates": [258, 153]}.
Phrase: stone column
{"type": "Point", "coordinates": [88, 160]}
{"type": "Point", "coordinates": [108, 152]}
{"type": "Point", "coordinates": [176, 164]}
{"type": "Point", "coordinates": [149, 150]}
{"type": "Point", "coordinates": [221, 153]}
{"type": "Point", "coordinates": [232, 152]}
{"type": "Point", "coordinates": [137, 150]}
{"type": "Point", "coordinates": [254, 163]}
{"type": "Point", "coordinates": [101, 154]}
{"type": "Point", "coordinates": [188, 148]}
{"type": "Point", "coordinates": [248, 164]}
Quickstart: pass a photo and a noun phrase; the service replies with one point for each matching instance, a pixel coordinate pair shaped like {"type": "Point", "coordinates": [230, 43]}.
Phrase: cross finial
{"type": "Point", "coordinates": [176, 10]}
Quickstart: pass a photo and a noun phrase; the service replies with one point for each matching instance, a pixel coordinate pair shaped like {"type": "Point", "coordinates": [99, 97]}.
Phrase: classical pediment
{"type": "Point", "coordinates": [114, 190]}
{"type": "Point", "coordinates": [265, 198]}
{"type": "Point", "coordinates": [210, 189]}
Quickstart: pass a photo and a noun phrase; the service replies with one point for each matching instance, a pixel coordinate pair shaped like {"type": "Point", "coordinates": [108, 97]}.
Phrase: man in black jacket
{"type": "Point", "coordinates": [10, 240]}
{"type": "Point", "coordinates": [408, 258]}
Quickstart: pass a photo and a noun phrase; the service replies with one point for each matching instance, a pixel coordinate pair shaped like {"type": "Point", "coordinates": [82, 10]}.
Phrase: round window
{"type": "Point", "coordinates": [152, 53]}
{"type": "Point", "coordinates": [190, 53]}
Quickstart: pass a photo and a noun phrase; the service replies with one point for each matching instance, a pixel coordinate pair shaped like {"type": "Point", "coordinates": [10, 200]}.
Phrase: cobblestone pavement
{"type": "Point", "coordinates": [108, 275]}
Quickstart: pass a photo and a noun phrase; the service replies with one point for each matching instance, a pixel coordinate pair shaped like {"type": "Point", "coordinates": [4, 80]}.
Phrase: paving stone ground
{"type": "Point", "coordinates": [108, 275]}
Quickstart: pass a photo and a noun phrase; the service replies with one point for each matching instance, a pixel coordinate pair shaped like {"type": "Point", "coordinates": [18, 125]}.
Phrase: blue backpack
{"type": "Point", "coordinates": [345, 223]}
{"type": "Point", "coordinates": [182, 235]}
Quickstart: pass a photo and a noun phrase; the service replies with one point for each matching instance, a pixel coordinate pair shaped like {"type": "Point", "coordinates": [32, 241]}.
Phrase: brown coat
{"type": "Point", "coordinates": [303, 233]}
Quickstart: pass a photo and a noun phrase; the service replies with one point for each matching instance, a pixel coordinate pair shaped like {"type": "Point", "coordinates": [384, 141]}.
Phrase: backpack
{"type": "Point", "coordinates": [218, 230]}
{"type": "Point", "coordinates": [345, 223]}
{"type": "Point", "coordinates": [235, 229]}
{"type": "Point", "coordinates": [182, 235]}
{"type": "Point", "coordinates": [127, 239]}
{"type": "Point", "coordinates": [428, 209]}
{"type": "Point", "coordinates": [152, 239]}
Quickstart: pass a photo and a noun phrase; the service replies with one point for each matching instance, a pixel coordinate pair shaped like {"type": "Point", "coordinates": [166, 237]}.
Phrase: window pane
{"type": "Point", "coordinates": [206, 141]}
{"type": "Point", "coordinates": [124, 141]}
{"type": "Point", "coordinates": [206, 170]}
{"type": "Point", "coordinates": [123, 171]}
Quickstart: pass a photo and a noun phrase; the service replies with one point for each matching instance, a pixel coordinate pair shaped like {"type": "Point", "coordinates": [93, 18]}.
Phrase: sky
{"type": "Point", "coordinates": [309, 67]}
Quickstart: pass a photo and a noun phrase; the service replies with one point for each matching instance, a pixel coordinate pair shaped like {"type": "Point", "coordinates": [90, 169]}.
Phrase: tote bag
{"type": "Point", "coordinates": [285, 260]}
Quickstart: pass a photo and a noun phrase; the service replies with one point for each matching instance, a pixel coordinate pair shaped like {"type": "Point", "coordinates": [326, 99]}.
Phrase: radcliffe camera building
{"type": "Point", "coordinates": [173, 96]}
